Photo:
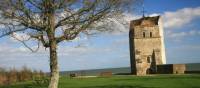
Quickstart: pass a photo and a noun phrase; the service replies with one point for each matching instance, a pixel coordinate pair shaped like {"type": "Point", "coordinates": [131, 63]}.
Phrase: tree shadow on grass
{"type": "Point", "coordinates": [118, 86]}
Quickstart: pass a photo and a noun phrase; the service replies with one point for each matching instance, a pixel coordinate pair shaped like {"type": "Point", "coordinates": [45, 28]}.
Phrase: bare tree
{"type": "Point", "coordinates": [52, 21]}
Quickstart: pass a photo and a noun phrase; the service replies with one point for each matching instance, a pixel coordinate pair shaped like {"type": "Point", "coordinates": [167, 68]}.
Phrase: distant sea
{"type": "Point", "coordinates": [120, 70]}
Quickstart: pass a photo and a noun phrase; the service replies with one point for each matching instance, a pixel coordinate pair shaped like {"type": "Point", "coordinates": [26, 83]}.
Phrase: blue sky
{"type": "Point", "coordinates": [181, 20]}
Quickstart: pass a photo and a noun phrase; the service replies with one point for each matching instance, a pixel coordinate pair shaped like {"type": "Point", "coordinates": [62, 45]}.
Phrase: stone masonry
{"type": "Point", "coordinates": [146, 45]}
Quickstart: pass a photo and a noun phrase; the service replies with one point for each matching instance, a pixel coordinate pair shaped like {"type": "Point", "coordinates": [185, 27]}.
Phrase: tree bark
{"type": "Point", "coordinates": [53, 65]}
{"type": "Point", "coordinates": [54, 77]}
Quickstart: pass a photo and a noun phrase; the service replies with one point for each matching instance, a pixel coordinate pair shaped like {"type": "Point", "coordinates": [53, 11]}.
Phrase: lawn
{"type": "Point", "coordinates": [154, 81]}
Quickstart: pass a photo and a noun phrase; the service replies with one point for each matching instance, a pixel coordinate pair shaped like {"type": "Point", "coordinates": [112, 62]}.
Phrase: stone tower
{"type": "Point", "coordinates": [146, 45]}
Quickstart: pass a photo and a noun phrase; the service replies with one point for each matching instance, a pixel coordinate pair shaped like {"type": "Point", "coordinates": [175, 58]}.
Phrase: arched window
{"type": "Point", "coordinates": [150, 34]}
{"type": "Point", "coordinates": [143, 34]}
{"type": "Point", "coordinates": [149, 59]}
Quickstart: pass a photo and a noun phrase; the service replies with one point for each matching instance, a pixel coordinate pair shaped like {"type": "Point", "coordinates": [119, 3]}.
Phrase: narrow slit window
{"type": "Point", "coordinates": [149, 59]}
{"type": "Point", "coordinates": [143, 34]}
{"type": "Point", "coordinates": [150, 34]}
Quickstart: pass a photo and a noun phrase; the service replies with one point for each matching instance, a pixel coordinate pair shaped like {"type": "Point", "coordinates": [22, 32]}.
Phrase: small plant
{"type": "Point", "coordinates": [42, 82]}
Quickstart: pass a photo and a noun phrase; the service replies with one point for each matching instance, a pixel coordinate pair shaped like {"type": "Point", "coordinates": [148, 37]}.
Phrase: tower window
{"type": "Point", "coordinates": [143, 34]}
{"type": "Point", "coordinates": [149, 59]}
{"type": "Point", "coordinates": [150, 34]}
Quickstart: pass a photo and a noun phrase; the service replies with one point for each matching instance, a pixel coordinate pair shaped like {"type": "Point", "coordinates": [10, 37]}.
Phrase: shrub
{"type": "Point", "coordinates": [25, 74]}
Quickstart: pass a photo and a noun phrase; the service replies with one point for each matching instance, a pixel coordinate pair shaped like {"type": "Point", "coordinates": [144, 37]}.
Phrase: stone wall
{"type": "Point", "coordinates": [165, 69]}
{"type": "Point", "coordinates": [179, 68]}
{"type": "Point", "coordinates": [171, 69]}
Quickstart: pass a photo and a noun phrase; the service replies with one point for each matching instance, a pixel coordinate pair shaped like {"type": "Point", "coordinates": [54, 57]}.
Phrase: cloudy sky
{"type": "Point", "coordinates": [181, 20]}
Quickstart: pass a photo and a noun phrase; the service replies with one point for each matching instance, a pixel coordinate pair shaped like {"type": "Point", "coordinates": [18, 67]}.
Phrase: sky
{"type": "Point", "coordinates": [181, 20]}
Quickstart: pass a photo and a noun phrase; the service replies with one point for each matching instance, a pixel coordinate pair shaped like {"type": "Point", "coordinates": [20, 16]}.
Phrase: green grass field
{"type": "Point", "coordinates": [158, 81]}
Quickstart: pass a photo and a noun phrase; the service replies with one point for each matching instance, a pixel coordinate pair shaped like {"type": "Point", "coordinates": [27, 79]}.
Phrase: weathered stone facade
{"type": "Point", "coordinates": [146, 45]}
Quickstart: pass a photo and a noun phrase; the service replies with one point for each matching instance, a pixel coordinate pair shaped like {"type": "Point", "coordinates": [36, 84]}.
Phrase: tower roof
{"type": "Point", "coordinates": [146, 20]}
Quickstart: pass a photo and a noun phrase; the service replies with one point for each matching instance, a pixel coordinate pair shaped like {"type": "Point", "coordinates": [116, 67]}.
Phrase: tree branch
{"type": "Point", "coordinates": [79, 12]}
{"type": "Point", "coordinates": [23, 42]}
{"type": "Point", "coordinates": [10, 28]}
{"type": "Point", "coordinates": [40, 37]}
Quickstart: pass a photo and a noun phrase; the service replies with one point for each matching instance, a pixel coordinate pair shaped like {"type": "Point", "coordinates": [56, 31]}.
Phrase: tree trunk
{"type": "Point", "coordinates": [53, 65]}
{"type": "Point", "coordinates": [54, 79]}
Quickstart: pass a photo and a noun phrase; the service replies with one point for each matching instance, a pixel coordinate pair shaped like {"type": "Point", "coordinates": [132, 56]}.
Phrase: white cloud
{"type": "Point", "coordinates": [154, 14]}
{"type": "Point", "coordinates": [180, 17]}
{"type": "Point", "coordinates": [171, 19]}
{"type": "Point", "coordinates": [118, 24]}
{"type": "Point", "coordinates": [19, 36]}
{"type": "Point", "coordinates": [183, 34]}
{"type": "Point", "coordinates": [178, 36]}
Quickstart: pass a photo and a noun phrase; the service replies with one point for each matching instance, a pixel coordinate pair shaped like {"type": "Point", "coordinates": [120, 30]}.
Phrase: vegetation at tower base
{"type": "Point", "coordinates": [49, 22]}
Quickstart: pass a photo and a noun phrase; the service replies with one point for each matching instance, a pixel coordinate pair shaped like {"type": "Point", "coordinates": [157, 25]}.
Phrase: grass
{"type": "Point", "coordinates": [155, 81]}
